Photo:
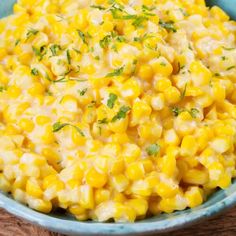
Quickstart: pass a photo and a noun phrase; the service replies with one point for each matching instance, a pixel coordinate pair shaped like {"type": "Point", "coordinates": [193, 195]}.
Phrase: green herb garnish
{"type": "Point", "coordinates": [230, 68]}
{"type": "Point", "coordinates": [82, 92]}
{"type": "Point", "coordinates": [31, 32]}
{"type": "Point", "coordinates": [82, 36]}
{"type": "Point", "coordinates": [34, 72]}
{"type": "Point", "coordinates": [58, 126]}
{"type": "Point", "coordinates": [121, 113]}
{"type": "Point", "coordinates": [98, 7]}
{"type": "Point", "coordinates": [169, 26]}
{"type": "Point", "coordinates": [153, 149]}
{"type": "Point", "coordinates": [116, 72]}
{"type": "Point", "coordinates": [55, 49]}
{"type": "Point", "coordinates": [111, 100]}
{"type": "Point", "coordinates": [105, 41]}
{"type": "Point", "coordinates": [68, 56]}
{"type": "Point", "coordinates": [40, 53]}
{"type": "Point", "coordinates": [103, 121]}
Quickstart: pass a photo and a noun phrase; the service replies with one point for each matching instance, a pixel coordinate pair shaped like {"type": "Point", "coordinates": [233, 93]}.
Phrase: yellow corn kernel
{"type": "Point", "coordinates": [86, 198]}
{"type": "Point", "coordinates": [77, 210]}
{"type": "Point", "coordinates": [40, 205]}
{"type": "Point", "coordinates": [225, 181]}
{"type": "Point", "coordinates": [120, 138]}
{"type": "Point", "coordinates": [150, 131]}
{"type": "Point", "coordinates": [218, 92]}
{"type": "Point", "coordinates": [140, 110]}
{"type": "Point", "coordinates": [77, 138]}
{"type": "Point", "coordinates": [101, 195]}
{"type": "Point", "coordinates": [166, 190]}
{"type": "Point", "coordinates": [120, 182]}
{"type": "Point", "coordinates": [48, 137]}
{"type": "Point", "coordinates": [216, 170]}
{"type": "Point", "coordinates": [131, 89]}
{"type": "Point", "coordinates": [123, 213]}
{"type": "Point", "coordinates": [161, 66]}
{"type": "Point", "coordinates": [95, 179]}
{"type": "Point", "coordinates": [52, 157]}
{"type": "Point", "coordinates": [141, 187]}
{"type": "Point", "coordinates": [52, 181]}
{"type": "Point", "coordinates": [188, 146]}
{"type": "Point", "coordinates": [139, 205]}
{"type": "Point", "coordinates": [194, 196]}
{"type": "Point", "coordinates": [195, 176]}
{"type": "Point", "coordinates": [219, 14]}
{"type": "Point", "coordinates": [117, 166]}
{"type": "Point", "coordinates": [221, 144]}
{"type": "Point", "coordinates": [5, 185]}
{"type": "Point", "coordinates": [119, 126]}
{"type": "Point", "coordinates": [171, 137]}
{"type": "Point", "coordinates": [37, 89]}
{"type": "Point", "coordinates": [161, 84]}
{"type": "Point", "coordinates": [172, 95]}
{"type": "Point", "coordinates": [42, 120]}
{"type": "Point", "coordinates": [145, 72]}
{"type": "Point", "coordinates": [26, 124]}
{"type": "Point", "coordinates": [169, 163]}
{"type": "Point", "coordinates": [3, 53]}
{"type": "Point", "coordinates": [158, 102]}
{"type": "Point", "coordinates": [33, 188]}
{"type": "Point", "coordinates": [13, 91]}
{"type": "Point", "coordinates": [135, 171]}
{"type": "Point", "coordinates": [200, 74]}
{"type": "Point", "coordinates": [148, 165]}
{"type": "Point", "coordinates": [69, 102]}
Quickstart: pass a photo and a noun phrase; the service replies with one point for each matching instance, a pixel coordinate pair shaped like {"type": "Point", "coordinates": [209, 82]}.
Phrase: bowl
{"type": "Point", "coordinates": [64, 223]}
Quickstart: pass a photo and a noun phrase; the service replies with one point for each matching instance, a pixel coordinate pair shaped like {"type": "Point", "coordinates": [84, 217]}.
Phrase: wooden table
{"type": "Point", "coordinates": [224, 225]}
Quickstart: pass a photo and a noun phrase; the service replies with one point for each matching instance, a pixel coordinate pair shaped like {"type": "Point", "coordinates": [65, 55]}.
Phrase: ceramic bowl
{"type": "Point", "coordinates": [66, 224]}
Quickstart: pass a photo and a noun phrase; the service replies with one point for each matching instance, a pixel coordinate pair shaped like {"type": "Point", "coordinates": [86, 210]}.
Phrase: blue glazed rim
{"type": "Point", "coordinates": [220, 201]}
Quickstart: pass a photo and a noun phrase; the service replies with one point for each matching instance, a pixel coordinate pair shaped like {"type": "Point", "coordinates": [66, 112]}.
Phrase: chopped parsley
{"type": "Point", "coordinates": [184, 91]}
{"type": "Point", "coordinates": [111, 100]}
{"type": "Point", "coordinates": [163, 63]}
{"type": "Point", "coordinates": [2, 89]}
{"type": "Point", "coordinates": [116, 72]}
{"type": "Point", "coordinates": [82, 92]}
{"type": "Point", "coordinates": [193, 111]}
{"type": "Point", "coordinates": [58, 126]}
{"type": "Point", "coordinates": [121, 113]}
{"type": "Point", "coordinates": [230, 68]}
{"type": "Point", "coordinates": [17, 42]}
{"type": "Point", "coordinates": [169, 26]}
{"type": "Point", "coordinates": [98, 7]}
{"type": "Point", "coordinates": [139, 21]}
{"type": "Point", "coordinates": [31, 32]}
{"type": "Point", "coordinates": [34, 72]}
{"type": "Point", "coordinates": [146, 8]}
{"type": "Point", "coordinates": [68, 56]}
{"type": "Point", "coordinates": [40, 53]}
{"type": "Point", "coordinates": [55, 49]}
{"type": "Point", "coordinates": [227, 49]}
{"type": "Point", "coordinates": [105, 41]}
{"type": "Point", "coordinates": [153, 149]}
{"type": "Point", "coordinates": [103, 121]}
{"type": "Point", "coordinates": [82, 36]}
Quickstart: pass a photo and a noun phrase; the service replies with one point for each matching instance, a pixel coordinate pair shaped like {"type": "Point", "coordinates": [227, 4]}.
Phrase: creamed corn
{"type": "Point", "coordinates": [116, 109]}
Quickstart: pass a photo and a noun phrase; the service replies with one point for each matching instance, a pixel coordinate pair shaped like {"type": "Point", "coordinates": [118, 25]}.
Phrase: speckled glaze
{"type": "Point", "coordinates": [66, 224]}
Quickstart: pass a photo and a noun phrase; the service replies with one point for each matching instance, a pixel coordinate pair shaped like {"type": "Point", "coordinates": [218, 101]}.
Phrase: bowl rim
{"type": "Point", "coordinates": [95, 228]}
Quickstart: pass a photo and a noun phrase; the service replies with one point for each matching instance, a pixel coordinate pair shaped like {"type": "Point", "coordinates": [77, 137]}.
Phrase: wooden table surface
{"type": "Point", "coordinates": [223, 225]}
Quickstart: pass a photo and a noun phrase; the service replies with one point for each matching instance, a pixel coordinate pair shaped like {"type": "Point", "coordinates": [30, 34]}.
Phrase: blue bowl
{"type": "Point", "coordinates": [66, 224]}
